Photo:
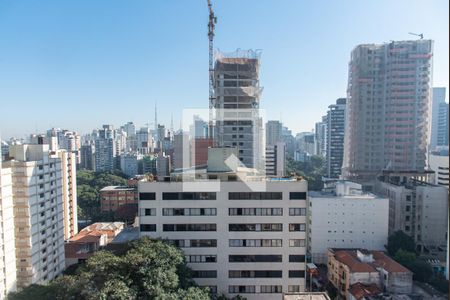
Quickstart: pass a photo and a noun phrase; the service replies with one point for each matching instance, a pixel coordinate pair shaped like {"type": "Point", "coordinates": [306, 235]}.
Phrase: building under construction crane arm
{"type": "Point", "coordinates": [211, 26]}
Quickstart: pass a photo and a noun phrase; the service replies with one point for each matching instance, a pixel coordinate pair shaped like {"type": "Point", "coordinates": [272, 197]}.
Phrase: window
{"type": "Point", "coordinates": [408, 208]}
{"type": "Point", "coordinates": [297, 227]}
{"type": "Point", "coordinates": [293, 288]}
{"type": "Point", "coordinates": [296, 274]}
{"type": "Point", "coordinates": [202, 243]}
{"type": "Point", "coordinates": [189, 211]}
{"type": "Point", "coordinates": [255, 243]}
{"type": "Point", "coordinates": [255, 196]}
{"type": "Point", "coordinates": [241, 289]}
{"type": "Point", "coordinates": [148, 211]}
{"type": "Point", "coordinates": [255, 211]}
{"type": "Point", "coordinates": [297, 195]}
{"type": "Point", "coordinates": [189, 227]}
{"type": "Point", "coordinates": [297, 243]}
{"type": "Point", "coordinates": [201, 258]}
{"type": "Point", "coordinates": [147, 196]}
{"type": "Point", "coordinates": [255, 274]}
{"type": "Point", "coordinates": [297, 211]}
{"type": "Point", "coordinates": [148, 227]}
{"type": "Point", "coordinates": [254, 258]}
{"type": "Point", "coordinates": [189, 196]}
{"type": "Point", "coordinates": [256, 227]}
{"type": "Point", "coordinates": [204, 274]}
{"type": "Point", "coordinates": [270, 289]}
{"type": "Point", "coordinates": [296, 258]}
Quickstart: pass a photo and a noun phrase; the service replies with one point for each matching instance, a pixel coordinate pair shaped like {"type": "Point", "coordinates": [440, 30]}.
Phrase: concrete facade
{"type": "Point", "coordinates": [8, 272]}
{"type": "Point", "coordinates": [235, 240]}
{"type": "Point", "coordinates": [388, 108]}
{"type": "Point", "coordinates": [345, 217]}
{"type": "Point", "coordinates": [37, 183]}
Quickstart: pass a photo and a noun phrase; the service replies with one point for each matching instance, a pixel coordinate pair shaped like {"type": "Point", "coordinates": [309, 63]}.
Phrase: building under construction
{"type": "Point", "coordinates": [236, 100]}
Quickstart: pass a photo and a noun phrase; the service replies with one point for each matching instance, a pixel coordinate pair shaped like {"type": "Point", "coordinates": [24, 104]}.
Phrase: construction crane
{"type": "Point", "coordinates": [417, 34]}
{"type": "Point", "coordinates": [211, 26]}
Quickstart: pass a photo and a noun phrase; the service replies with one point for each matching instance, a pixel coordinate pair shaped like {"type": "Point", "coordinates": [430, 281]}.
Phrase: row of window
{"type": "Point", "coordinates": [231, 227]}
{"type": "Point", "coordinates": [189, 211]}
{"type": "Point", "coordinates": [244, 258]}
{"type": "Point", "coordinates": [231, 211]}
{"type": "Point", "coordinates": [205, 243]}
{"type": "Point", "coordinates": [202, 243]}
{"type": "Point", "coordinates": [264, 274]}
{"type": "Point", "coordinates": [251, 289]}
{"type": "Point", "coordinates": [231, 196]}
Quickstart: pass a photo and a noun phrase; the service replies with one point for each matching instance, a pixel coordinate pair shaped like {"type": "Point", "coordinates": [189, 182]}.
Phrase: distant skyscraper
{"type": "Point", "coordinates": [104, 155]}
{"type": "Point", "coordinates": [321, 137]}
{"type": "Point", "coordinates": [237, 97]}
{"type": "Point", "coordinates": [388, 107]}
{"type": "Point", "coordinates": [87, 157]}
{"type": "Point", "coordinates": [439, 119]}
{"type": "Point", "coordinates": [276, 160]}
{"type": "Point", "coordinates": [199, 128]}
{"type": "Point", "coordinates": [335, 137]}
{"type": "Point", "coordinates": [273, 132]}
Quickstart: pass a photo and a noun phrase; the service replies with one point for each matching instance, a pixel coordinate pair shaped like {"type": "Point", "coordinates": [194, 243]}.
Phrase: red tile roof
{"type": "Point", "coordinates": [349, 259]}
{"type": "Point", "coordinates": [360, 291]}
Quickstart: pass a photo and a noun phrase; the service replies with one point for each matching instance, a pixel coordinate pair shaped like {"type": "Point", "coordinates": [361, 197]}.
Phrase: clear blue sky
{"type": "Point", "coordinates": [82, 63]}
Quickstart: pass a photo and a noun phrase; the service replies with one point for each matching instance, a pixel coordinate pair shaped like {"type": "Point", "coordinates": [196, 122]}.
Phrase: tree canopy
{"type": "Point", "coordinates": [400, 240]}
{"type": "Point", "coordinates": [89, 184]}
{"type": "Point", "coordinates": [312, 171]}
{"type": "Point", "coordinates": [150, 269]}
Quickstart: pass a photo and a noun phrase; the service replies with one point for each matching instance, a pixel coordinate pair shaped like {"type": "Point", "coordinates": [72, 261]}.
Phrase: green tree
{"type": "Point", "coordinates": [400, 240]}
{"type": "Point", "coordinates": [422, 270]}
{"type": "Point", "coordinates": [150, 269]}
{"type": "Point", "coordinates": [405, 258]}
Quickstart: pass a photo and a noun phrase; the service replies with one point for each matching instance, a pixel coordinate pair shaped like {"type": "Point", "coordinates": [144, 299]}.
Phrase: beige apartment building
{"type": "Point", "coordinates": [43, 195]}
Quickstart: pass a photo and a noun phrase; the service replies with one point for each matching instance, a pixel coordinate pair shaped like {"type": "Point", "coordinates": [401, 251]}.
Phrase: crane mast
{"type": "Point", "coordinates": [211, 26]}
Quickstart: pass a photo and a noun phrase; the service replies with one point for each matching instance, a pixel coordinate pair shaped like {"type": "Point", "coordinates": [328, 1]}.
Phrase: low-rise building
{"type": "Point", "coordinates": [347, 267]}
{"type": "Point", "coordinates": [112, 197]}
{"type": "Point", "coordinates": [343, 216]}
{"type": "Point", "coordinates": [89, 240]}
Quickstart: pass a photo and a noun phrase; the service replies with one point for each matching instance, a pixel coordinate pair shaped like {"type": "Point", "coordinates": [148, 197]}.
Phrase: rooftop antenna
{"type": "Point", "coordinates": [417, 34]}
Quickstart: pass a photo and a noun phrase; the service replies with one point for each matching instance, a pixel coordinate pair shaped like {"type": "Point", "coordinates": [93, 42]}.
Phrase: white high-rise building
{"type": "Point", "coordinates": [8, 271]}
{"type": "Point", "coordinates": [276, 160]}
{"type": "Point", "coordinates": [342, 216]}
{"type": "Point", "coordinates": [237, 241]}
{"type": "Point", "coordinates": [69, 189]}
{"type": "Point", "coordinates": [37, 184]}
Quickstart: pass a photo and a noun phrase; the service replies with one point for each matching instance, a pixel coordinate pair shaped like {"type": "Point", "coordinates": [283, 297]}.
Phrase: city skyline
{"type": "Point", "coordinates": [96, 58]}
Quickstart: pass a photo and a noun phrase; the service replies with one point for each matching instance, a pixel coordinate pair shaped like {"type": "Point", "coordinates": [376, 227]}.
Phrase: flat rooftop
{"type": "Point", "coordinates": [306, 296]}
{"type": "Point", "coordinates": [112, 188]}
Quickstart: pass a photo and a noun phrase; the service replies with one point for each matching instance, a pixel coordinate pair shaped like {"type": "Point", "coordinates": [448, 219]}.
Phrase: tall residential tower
{"type": "Point", "coordinates": [388, 108]}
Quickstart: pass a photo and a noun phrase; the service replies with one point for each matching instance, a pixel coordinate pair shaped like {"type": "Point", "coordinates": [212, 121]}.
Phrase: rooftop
{"type": "Point", "coordinates": [116, 188]}
{"type": "Point", "coordinates": [306, 296]}
{"type": "Point", "coordinates": [374, 260]}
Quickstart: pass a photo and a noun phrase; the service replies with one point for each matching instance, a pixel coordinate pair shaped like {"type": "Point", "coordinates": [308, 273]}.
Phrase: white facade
{"type": "Point", "coordinates": [234, 245]}
{"type": "Point", "coordinates": [276, 160]}
{"type": "Point", "coordinates": [7, 245]}
{"type": "Point", "coordinates": [129, 164]}
{"type": "Point", "coordinates": [69, 188]}
{"type": "Point", "coordinates": [346, 218]}
{"type": "Point", "coordinates": [439, 164]}
{"type": "Point", "coordinates": [37, 185]}
{"type": "Point", "coordinates": [418, 209]}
